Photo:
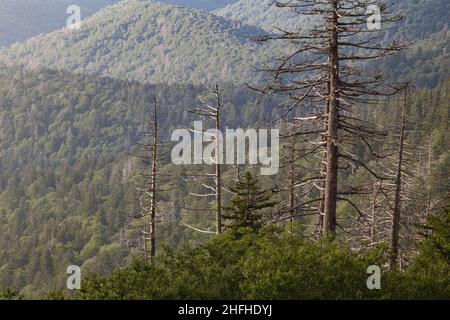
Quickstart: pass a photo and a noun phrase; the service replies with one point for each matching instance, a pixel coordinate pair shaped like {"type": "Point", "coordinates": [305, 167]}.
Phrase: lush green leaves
{"type": "Point", "coordinates": [246, 208]}
{"type": "Point", "coordinates": [273, 265]}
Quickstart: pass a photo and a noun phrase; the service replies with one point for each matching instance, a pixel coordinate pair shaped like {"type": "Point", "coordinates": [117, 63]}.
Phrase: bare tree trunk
{"type": "Point", "coordinates": [218, 166]}
{"type": "Point", "coordinates": [430, 164]}
{"type": "Point", "coordinates": [291, 191]}
{"type": "Point", "coordinates": [398, 190]}
{"type": "Point", "coordinates": [213, 113]}
{"type": "Point", "coordinates": [327, 72]}
{"type": "Point", "coordinates": [329, 225]}
{"type": "Point", "coordinates": [374, 214]}
{"type": "Point", "coordinates": [153, 184]}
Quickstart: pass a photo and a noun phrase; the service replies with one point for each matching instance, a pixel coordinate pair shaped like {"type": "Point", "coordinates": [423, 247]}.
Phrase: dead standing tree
{"type": "Point", "coordinates": [147, 197]}
{"type": "Point", "coordinates": [398, 186]}
{"type": "Point", "coordinates": [149, 154]}
{"type": "Point", "coordinates": [212, 112]}
{"type": "Point", "coordinates": [393, 212]}
{"type": "Point", "coordinates": [298, 178]}
{"type": "Point", "coordinates": [322, 75]}
{"type": "Point", "coordinates": [402, 192]}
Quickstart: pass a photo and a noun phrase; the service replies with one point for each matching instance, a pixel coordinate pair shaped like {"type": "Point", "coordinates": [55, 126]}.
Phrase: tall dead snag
{"type": "Point", "coordinates": [332, 135]}
{"type": "Point", "coordinates": [325, 76]}
{"type": "Point", "coordinates": [398, 203]}
{"type": "Point", "coordinates": [211, 112]}
{"type": "Point", "coordinates": [409, 192]}
{"type": "Point", "coordinates": [218, 177]}
{"type": "Point", "coordinates": [144, 213]}
{"type": "Point", "coordinates": [152, 187]}
{"type": "Point", "coordinates": [398, 187]}
{"type": "Point", "coordinates": [297, 179]}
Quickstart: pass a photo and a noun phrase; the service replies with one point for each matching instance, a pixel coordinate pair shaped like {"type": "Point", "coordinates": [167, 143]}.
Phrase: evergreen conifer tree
{"type": "Point", "coordinates": [246, 209]}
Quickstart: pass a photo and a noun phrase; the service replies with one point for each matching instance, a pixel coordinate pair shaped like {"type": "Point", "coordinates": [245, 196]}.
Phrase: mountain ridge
{"type": "Point", "coordinates": [263, 14]}
{"type": "Point", "coordinates": [148, 41]}
{"type": "Point", "coordinates": [23, 19]}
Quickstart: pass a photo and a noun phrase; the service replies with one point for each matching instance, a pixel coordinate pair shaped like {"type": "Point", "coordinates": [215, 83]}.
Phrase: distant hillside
{"type": "Point", "coordinates": [66, 146]}
{"type": "Point", "coordinates": [148, 41]}
{"type": "Point", "coordinates": [426, 63]}
{"type": "Point", "coordinates": [155, 42]}
{"type": "Point", "coordinates": [65, 167]}
{"type": "Point", "coordinates": [264, 15]}
{"type": "Point", "coordinates": [421, 17]}
{"type": "Point", "coordinates": [424, 26]}
{"type": "Point", "coordinates": [201, 4]}
{"type": "Point", "coordinates": [22, 19]}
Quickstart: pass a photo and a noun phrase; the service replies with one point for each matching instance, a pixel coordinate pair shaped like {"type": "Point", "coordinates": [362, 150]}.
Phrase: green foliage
{"type": "Point", "coordinates": [438, 235]}
{"type": "Point", "coordinates": [131, 283]}
{"type": "Point", "coordinates": [56, 295]}
{"type": "Point", "coordinates": [66, 146]}
{"type": "Point", "coordinates": [65, 142]}
{"type": "Point", "coordinates": [246, 208]}
{"type": "Point", "coordinates": [429, 275]}
{"type": "Point", "coordinates": [9, 294]}
{"type": "Point", "coordinates": [272, 265]}
{"type": "Point", "coordinates": [65, 164]}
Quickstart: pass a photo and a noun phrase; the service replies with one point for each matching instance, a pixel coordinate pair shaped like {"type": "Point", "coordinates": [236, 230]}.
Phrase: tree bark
{"type": "Point", "coordinates": [398, 190]}
{"type": "Point", "coordinates": [329, 223]}
{"type": "Point", "coordinates": [218, 167]}
{"type": "Point", "coordinates": [153, 184]}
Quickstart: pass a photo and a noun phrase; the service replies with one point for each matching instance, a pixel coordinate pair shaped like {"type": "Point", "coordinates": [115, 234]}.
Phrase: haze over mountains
{"type": "Point", "coordinates": [264, 14]}
{"type": "Point", "coordinates": [148, 41]}
{"type": "Point", "coordinates": [155, 42]}
{"type": "Point", "coordinates": [421, 18]}
{"type": "Point", "coordinates": [22, 19]}
{"type": "Point", "coordinates": [201, 4]}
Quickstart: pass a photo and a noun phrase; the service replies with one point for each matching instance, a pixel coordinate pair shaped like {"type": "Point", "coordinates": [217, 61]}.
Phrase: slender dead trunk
{"type": "Point", "coordinates": [291, 174]}
{"type": "Point", "coordinates": [374, 213]}
{"type": "Point", "coordinates": [329, 223]}
{"type": "Point", "coordinates": [153, 184]}
{"type": "Point", "coordinates": [398, 190]}
{"type": "Point", "coordinates": [430, 164]}
{"type": "Point", "coordinates": [218, 167]}
{"type": "Point", "coordinates": [291, 191]}
{"type": "Point", "coordinates": [213, 114]}
{"type": "Point", "coordinates": [323, 173]}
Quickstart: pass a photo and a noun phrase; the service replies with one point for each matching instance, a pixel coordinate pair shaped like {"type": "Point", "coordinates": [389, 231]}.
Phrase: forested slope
{"type": "Point", "coordinates": [424, 27]}
{"type": "Point", "coordinates": [22, 19]}
{"type": "Point", "coordinates": [68, 165]}
{"type": "Point", "coordinates": [67, 144]}
{"type": "Point", "coordinates": [148, 41]}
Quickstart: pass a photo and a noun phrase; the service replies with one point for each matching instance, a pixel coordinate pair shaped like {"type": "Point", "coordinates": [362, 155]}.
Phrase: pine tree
{"type": "Point", "coordinates": [246, 209]}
